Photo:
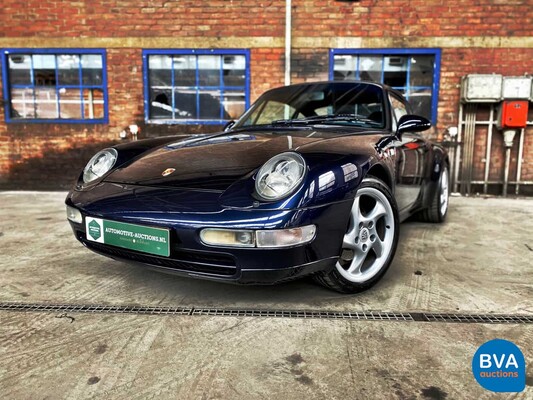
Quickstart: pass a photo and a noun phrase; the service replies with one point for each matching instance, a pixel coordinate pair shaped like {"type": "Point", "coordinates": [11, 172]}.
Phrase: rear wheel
{"type": "Point", "coordinates": [370, 240]}
{"type": "Point", "coordinates": [438, 208]}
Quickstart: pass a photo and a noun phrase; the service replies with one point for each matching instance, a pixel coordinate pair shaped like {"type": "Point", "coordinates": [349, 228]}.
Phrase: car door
{"type": "Point", "coordinates": [410, 165]}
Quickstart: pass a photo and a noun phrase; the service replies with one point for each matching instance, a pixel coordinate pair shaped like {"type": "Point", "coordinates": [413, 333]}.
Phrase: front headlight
{"type": "Point", "coordinates": [101, 163]}
{"type": "Point", "coordinates": [280, 176]}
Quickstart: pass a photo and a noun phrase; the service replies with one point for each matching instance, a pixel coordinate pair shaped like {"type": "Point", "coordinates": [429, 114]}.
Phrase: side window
{"type": "Point", "coordinates": [398, 110]}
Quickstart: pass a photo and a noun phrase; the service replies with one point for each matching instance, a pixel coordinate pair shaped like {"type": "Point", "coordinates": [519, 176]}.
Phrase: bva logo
{"type": "Point", "coordinates": [499, 366]}
{"type": "Point", "coordinates": [486, 361]}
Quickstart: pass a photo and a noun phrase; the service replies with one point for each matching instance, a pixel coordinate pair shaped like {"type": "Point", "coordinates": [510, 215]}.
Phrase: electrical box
{"type": "Point", "coordinates": [516, 88]}
{"type": "Point", "coordinates": [513, 114]}
{"type": "Point", "coordinates": [479, 88]}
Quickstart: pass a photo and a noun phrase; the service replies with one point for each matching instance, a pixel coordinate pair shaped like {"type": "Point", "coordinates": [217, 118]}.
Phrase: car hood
{"type": "Point", "coordinates": [214, 161]}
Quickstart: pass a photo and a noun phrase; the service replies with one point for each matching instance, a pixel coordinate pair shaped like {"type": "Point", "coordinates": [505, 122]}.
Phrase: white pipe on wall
{"type": "Point", "coordinates": [520, 156]}
{"type": "Point", "coordinates": [288, 38]}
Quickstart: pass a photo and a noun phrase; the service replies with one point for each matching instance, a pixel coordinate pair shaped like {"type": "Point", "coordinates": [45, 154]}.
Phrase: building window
{"type": "Point", "coordinates": [413, 72]}
{"type": "Point", "coordinates": [196, 86]}
{"type": "Point", "coordinates": [51, 85]}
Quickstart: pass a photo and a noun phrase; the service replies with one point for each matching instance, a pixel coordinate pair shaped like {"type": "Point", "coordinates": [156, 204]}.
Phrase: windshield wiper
{"type": "Point", "coordinates": [290, 122]}
{"type": "Point", "coordinates": [327, 118]}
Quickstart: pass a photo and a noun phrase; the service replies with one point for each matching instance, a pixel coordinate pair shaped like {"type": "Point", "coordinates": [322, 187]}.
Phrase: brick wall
{"type": "Point", "coordinates": [312, 18]}
{"type": "Point", "coordinates": [309, 65]}
{"type": "Point", "coordinates": [141, 18]}
{"type": "Point", "coordinates": [486, 36]}
{"type": "Point", "coordinates": [404, 18]}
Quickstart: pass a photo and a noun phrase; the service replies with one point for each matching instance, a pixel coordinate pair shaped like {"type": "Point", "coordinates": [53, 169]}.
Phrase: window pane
{"type": "Point", "coordinates": [422, 70]}
{"type": "Point", "coordinates": [345, 67]}
{"type": "Point", "coordinates": [370, 68]}
{"type": "Point", "coordinates": [209, 70]}
{"type": "Point", "coordinates": [22, 103]}
{"type": "Point", "coordinates": [160, 103]}
{"type": "Point", "coordinates": [91, 69]}
{"type": "Point", "coordinates": [185, 104]}
{"type": "Point", "coordinates": [93, 103]}
{"type": "Point", "coordinates": [210, 105]}
{"type": "Point", "coordinates": [234, 104]}
{"type": "Point", "coordinates": [420, 101]}
{"type": "Point", "coordinates": [395, 71]}
{"type": "Point", "coordinates": [44, 70]}
{"type": "Point", "coordinates": [68, 69]}
{"type": "Point", "coordinates": [234, 70]}
{"type": "Point", "coordinates": [20, 69]}
{"type": "Point", "coordinates": [70, 103]}
{"type": "Point", "coordinates": [46, 103]}
{"type": "Point", "coordinates": [184, 70]}
{"type": "Point", "coordinates": [160, 72]}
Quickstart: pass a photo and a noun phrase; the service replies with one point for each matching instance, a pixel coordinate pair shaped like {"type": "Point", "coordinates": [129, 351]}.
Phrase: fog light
{"type": "Point", "coordinates": [227, 237]}
{"type": "Point", "coordinates": [286, 237]}
{"type": "Point", "coordinates": [74, 215]}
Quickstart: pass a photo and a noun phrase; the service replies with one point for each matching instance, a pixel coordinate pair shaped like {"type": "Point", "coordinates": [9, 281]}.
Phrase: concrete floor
{"type": "Point", "coordinates": [479, 261]}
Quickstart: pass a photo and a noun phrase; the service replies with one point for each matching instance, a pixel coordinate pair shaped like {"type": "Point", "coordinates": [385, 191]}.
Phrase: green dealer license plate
{"type": "Point", "coordinates": [129, 236]}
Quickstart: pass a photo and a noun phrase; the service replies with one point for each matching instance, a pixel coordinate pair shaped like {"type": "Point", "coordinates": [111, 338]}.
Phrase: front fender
{"type": "Point", "coordinates": [329, 179]}
{"type": "Point", "coordinates": [128, 152]}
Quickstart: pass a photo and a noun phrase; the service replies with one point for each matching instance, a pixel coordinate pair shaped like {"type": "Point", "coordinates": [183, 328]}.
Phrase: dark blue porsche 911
{"type": "Point", "coordinates": [313, 179]}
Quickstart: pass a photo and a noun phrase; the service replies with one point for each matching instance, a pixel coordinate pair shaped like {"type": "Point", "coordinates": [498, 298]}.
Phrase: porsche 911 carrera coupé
{"type": "Point", "coordinates": [313, 179]}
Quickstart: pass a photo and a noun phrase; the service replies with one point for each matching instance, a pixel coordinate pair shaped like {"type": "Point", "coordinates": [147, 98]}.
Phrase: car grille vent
{"type": "Point", "coordinates": [265, 313]}
{"type": "Point", "coordinates": [209, 258]}
{"type": "Point", "coordinates": [199, 263]}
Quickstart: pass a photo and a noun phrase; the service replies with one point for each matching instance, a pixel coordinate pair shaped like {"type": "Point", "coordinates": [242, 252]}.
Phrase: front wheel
{"type": "Point", "coordinates": [370, 240]}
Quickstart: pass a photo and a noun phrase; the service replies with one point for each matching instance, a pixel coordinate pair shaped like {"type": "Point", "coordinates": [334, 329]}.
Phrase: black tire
{"type": "Point", "coordinates": [437, 211]}
{"type": "Point", "coordinates": [375, 238]}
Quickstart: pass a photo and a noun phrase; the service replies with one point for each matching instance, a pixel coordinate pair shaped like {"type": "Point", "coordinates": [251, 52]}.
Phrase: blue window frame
{"type": "Point", "coordinates": [55, 85]}
{"type": "Point", "coordinates": [414, 72]}
{"type": "Point", "coordinates": [195, 86]}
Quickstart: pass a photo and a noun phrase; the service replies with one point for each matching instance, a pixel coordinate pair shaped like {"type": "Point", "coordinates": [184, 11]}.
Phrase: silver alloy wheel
{"type": "Point", "coordinates": [443, 201]}
{"type": "Point", "coordinates": [368, 242]}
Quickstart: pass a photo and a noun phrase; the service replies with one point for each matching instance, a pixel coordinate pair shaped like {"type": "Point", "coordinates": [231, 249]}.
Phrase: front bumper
{"type": "Point", "coordinates": [190, 257]}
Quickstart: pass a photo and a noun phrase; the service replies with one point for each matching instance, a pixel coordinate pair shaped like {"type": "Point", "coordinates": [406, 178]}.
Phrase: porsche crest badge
{"type": "Point", "coordinates": [168, 171]}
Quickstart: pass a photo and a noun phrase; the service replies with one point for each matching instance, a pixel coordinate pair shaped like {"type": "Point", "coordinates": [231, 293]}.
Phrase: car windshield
{"type": "Point", "coordinates": [333, 103]}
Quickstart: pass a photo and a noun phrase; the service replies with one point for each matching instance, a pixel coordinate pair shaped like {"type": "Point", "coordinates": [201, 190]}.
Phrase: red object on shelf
{"type": "Point", "coordinates": [514, 114]}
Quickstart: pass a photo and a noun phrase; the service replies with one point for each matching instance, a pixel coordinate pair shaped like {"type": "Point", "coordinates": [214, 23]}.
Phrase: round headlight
{"type": "Point", "coordinates": [280, 176]}
{"type": "Point", "coordinates": [101, 163]}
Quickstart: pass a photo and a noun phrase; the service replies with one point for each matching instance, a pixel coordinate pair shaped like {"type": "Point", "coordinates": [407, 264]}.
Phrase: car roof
{"type": "Point", "coordinates": [358, 82]}
{"type": "Point", "coordinates": [335, 82]}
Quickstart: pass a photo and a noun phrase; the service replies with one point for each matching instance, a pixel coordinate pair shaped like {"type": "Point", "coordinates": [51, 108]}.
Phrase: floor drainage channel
{"type": "Point", "coordinates": [351, 315]}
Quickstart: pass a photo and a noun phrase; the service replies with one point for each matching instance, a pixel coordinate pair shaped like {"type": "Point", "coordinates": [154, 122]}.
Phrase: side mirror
{"type": "Point", "coordinates": [229, 125]}
{"type": "Point", "coordinates": [412, 123]}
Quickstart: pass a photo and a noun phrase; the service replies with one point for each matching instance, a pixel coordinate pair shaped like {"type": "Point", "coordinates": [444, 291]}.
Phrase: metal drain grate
{"type": "Point", "coordinates": [479, 318]}
{"type": "Point", "coordinates": [91, 308]}
{"type": "Point", "coordinates": [264, 313]}
{"type": "Point", "coordinates": [370, 316]}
